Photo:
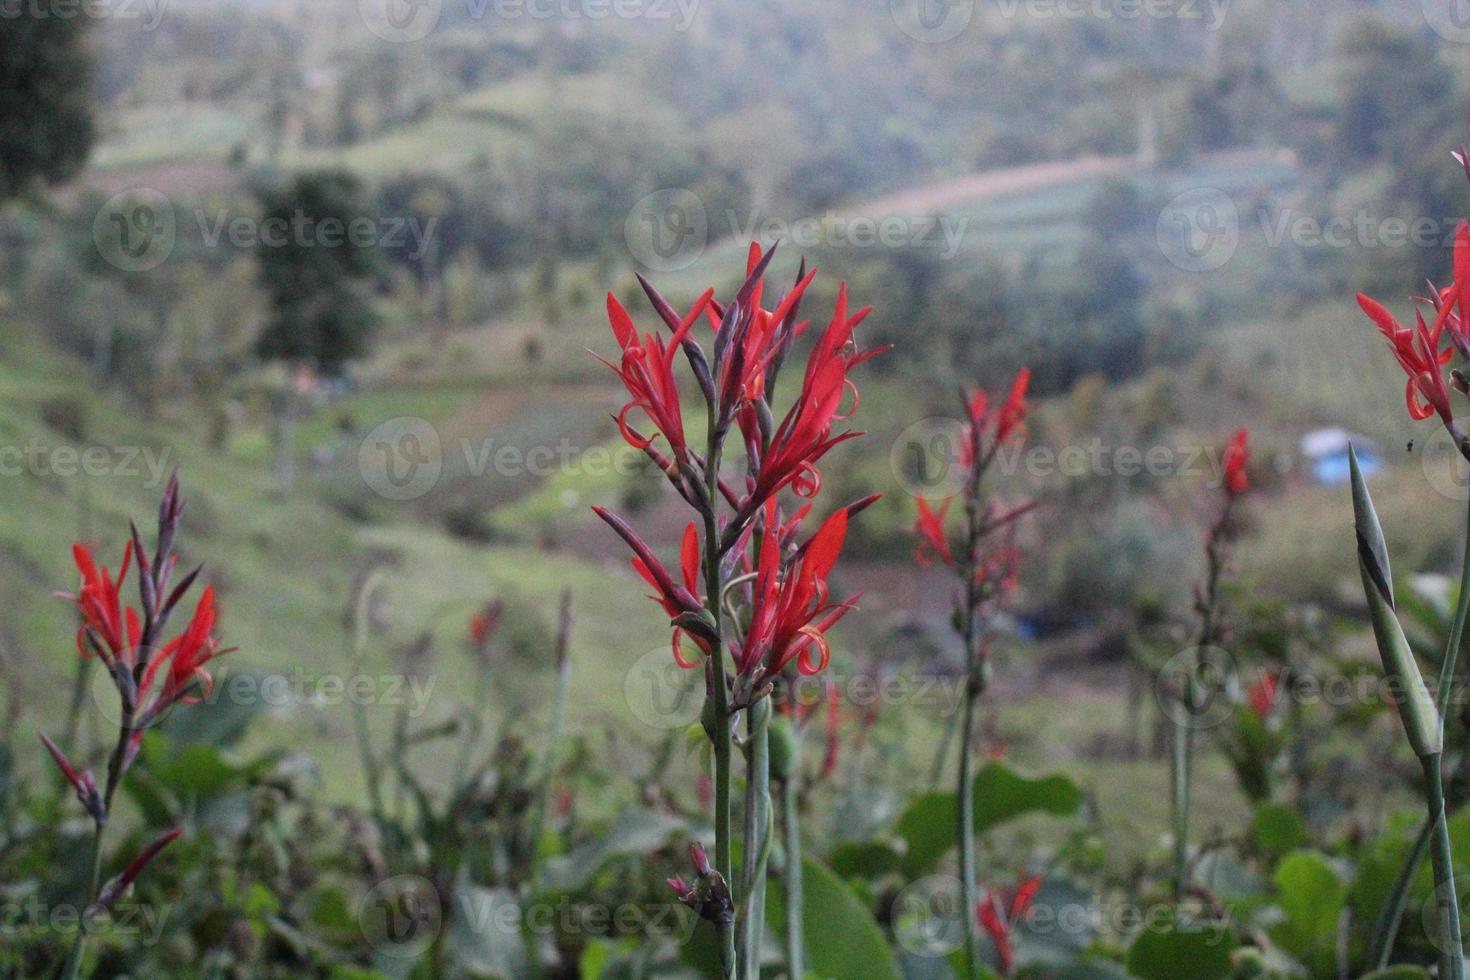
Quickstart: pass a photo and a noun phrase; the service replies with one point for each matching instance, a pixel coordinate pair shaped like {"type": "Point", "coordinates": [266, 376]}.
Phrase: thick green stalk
{"type": "Point", "coordinates": [1457, 632]}
{"type": "Point", "coordinates": [757, 829]}
{"type": "Point", "coordinates": [79, 942]}
{"type": "Point", "coordinates": [714, 589]}
{"type": "Point", "coordinates": [1451, 951]}
{"type": "Point", "coordinates": [791, 874]}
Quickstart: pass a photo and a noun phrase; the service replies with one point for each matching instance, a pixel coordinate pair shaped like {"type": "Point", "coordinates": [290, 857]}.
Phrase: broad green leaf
{"type": "Point", "coordinates": [1173, 950]}
{"type": "Point", "coordinates": [842, 939]}
{"type": "Point", "coordinates": [1278, 829]}
{"type": "Point", "coordinates": [1312, 896]}
{"type": "Point", "coordinates": [928, 825]}
{"type": "Point", "coordinates": [864, 859]}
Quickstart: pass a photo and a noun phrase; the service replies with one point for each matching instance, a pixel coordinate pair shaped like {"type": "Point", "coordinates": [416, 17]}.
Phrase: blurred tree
{"type": "Point", "coordinates": [317, 277]}
{"type": "Point", "coordinates": [317, 274]}
{"type": "Point", "coordinates": [46, 126]}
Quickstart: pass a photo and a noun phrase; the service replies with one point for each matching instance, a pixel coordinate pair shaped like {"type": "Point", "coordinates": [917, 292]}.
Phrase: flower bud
{"type": "Point", "coordinates": [1416, 707]}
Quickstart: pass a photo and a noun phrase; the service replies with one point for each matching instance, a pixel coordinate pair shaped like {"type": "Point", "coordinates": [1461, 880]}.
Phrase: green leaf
{"type": "Point", "coordinates": [864, 859]}
{"type": "Point", "coordinates": [484, 933]}
{"type": "Point", "coordinates": [842, 940]}
{"type": "Point", "coordinates": [1174, 950]}
{"type": "Point", "coordinates": [1312, 895]}
{"type": "Point", "coordinates": [928, 825]}
{"type": "Point", "coordinates": [1278, 829]}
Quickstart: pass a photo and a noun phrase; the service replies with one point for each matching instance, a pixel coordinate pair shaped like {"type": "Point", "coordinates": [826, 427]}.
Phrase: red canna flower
{"type": "Point", "coordinates": [805, 433]}
{"type": "Point", "coordinates": [999, 912]}
{"type": "Point", "coordinates": [933, 540]}
{"type": "Point", "coordinates": [107, 628]}
{"type": "Point", "coordinates": [1262, 694]}
{"type": "Point", "coordinates": [792, 610]}
{"type": "Point", "coordinates": [1237, 455]}
{"type": "Point", "coordinates": [647, 371]}
{"type": "Point", "coordinates": [185, 655]}
{"type": "Point", "coordinates": [1418, 353]}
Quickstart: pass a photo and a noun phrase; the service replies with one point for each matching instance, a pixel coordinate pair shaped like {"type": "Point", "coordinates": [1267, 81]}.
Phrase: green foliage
{"type": "Point", "coordinates": [46, 127]}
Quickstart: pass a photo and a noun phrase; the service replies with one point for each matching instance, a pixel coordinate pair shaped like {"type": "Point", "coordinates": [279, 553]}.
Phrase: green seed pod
{"type": "Point", "coordinates": [1416, 706]}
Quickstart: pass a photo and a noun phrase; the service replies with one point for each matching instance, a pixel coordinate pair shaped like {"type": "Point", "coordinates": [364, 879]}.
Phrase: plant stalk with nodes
{"type": "Point", "coordinates": [988, 576]}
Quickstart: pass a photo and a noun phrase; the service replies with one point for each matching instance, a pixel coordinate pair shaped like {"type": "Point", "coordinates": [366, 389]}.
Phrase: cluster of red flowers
{"type": "Point", "coordinates": [1000, 911]}
{"type": "Point", "coordinates": [784, 582]}
{"type": "Point", "coordinates": [1418, 349]}
{"type": "Point", "coordinates": [985, 432]}
{"type": "Point", "coordinates": [150, 675]}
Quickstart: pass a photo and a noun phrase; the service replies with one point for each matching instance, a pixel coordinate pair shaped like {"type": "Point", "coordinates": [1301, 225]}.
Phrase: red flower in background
{"type": "Point", "coordinates": [1007, 421]}
{"type": "Point", "coordinates": [933, 540]}
{"type": "Point", "coordinates": [1262, 694]}
{"type": "Point", "coordinates": [1237, 455]}
{"type": "Point", "coordinates": [999, 912]}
